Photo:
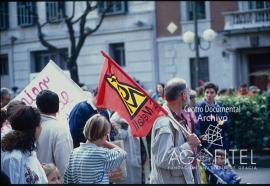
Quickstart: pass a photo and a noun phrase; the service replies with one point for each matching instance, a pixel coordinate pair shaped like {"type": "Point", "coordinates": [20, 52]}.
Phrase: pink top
{"type": "Point", "coordinates": [191, 119]}
{"type": "Point", "coordinates": [6, 128]}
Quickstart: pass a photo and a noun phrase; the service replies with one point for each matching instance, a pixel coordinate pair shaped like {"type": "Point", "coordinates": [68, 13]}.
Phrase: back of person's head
{"type": "Point", "coordinates": [254, 89]}
{"type": "Point", "coordinates": [96, 128]}
{"type": "Point", "coordinates": [193, 94]}
{"type": "Point", "coordinates": [209, 85]}
{"type": "Point", "coordinates": [5, 96]}
{"type": "Point", "coordinates": [5, 92]}
{"type": "Point", "coordinates": [13, 106]}
{"type": "Point", "coordinates": [230, 92]}
{"type": "Point", "coordinates": [173, 88]}
{"type": "Point", "coordinates": [47, 102]}
{"type": "Point", "coordinates": [244, 89]}
{"type": "Point", "coordinates": [119, 120]}
{"type": "Point", "coordinates": [25, 118]}
{"type": "Point", "coordinates": [222, 92]}
{"type": "Point", "coordinates": [24, 122]}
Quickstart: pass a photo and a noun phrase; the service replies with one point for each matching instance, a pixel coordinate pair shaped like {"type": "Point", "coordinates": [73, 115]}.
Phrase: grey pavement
{"type": "Point", "coordinates": [254, 175]}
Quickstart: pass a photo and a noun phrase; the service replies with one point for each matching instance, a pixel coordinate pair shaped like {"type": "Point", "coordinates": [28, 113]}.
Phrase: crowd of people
{"type": "Point", "coordinates": [38, 148]}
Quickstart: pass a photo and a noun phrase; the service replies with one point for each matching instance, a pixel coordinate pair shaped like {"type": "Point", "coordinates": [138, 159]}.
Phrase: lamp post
{"type": "Point", "coordinates": [12, 41]}
{"type": "Point", "coordinates": [189, 37]}
{"type": "Point", "coordinates": [196, 61]}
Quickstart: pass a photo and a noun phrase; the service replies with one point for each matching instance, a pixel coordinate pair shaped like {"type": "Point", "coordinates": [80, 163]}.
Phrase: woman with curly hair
{"type": "Point", "coordinates": [7, 113]}
{"type": "Point", "coordinates": [18, 156]}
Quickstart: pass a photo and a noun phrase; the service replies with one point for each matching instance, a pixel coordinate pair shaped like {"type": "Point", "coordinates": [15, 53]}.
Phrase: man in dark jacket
{"type": "Point", "coordinates": [79, 115]}
{"type": "Point", "coordinates": [209, 114]}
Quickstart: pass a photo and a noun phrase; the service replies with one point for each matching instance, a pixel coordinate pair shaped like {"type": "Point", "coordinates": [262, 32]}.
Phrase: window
{"type": "Point", "coordinates": [116, 7]}
{"type": "Point", "coordinates": [117, 51]}
{"type": "Point", "coordinates": [54, 12]}
{"type": "Point", "coordinates": [4, 64]}
{"type": "Point", "coordinates": [26, 13]}
{"type": "Point", "coordinates": [4, 15]}
{"type": "Point", "coordinates": [203, 73]}
{"type": "Point", "coordinates": [200, 10]}
{"type": "Point", "coordinates": [41, 58]}
{"type": "Point", "coordinates": [258, 5]}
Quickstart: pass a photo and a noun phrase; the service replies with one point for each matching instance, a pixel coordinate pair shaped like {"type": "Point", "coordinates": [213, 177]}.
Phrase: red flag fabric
{"type": "Point", "coordinates": [117, 91]}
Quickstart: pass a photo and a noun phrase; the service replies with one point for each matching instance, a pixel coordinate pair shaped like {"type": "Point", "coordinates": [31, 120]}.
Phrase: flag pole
{"type": "Point", "coordinates": [188, 133]}
{"type": "Point", "coordinates": [185, 131]}
{"type": "Point", "coordinates": [182, 128]}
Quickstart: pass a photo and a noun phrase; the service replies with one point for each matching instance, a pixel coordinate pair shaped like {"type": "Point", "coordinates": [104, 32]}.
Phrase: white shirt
{"type": "Point", "coordinates": [22, 168]}
{"type": "Point", "coordinates": [54, 143]}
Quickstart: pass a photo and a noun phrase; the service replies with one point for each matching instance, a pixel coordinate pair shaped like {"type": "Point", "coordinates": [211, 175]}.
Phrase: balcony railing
{"type": "Point", "coordinates": [248, 19]}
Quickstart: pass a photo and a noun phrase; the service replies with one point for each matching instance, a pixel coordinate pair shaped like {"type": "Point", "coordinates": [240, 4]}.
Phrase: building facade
{"type": "Point", "coordinates": [136, 34]}
{"type": "Point", "coordinates": [239, 54]}
{"type": "Point", "coordinates": [126, 34]}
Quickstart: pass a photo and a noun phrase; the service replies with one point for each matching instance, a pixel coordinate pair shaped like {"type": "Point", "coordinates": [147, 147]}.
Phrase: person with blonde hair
{"type": "Point", "coordinates": [92, 160]}
{"type": "Point", "coordinates": [52, 173]}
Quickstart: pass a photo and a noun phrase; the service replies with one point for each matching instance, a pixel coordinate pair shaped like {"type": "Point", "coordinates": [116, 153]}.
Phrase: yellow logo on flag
{"type": "Point", "coordinates": [132, 98]}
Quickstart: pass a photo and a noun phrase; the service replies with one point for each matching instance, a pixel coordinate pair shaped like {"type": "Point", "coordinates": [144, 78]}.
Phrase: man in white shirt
{"type": "Point", "coordinates": [55, 142]}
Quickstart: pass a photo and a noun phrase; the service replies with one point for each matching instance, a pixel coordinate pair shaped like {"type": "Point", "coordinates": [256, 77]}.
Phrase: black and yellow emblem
{"type": "Point", "coordinates": [132, 98]}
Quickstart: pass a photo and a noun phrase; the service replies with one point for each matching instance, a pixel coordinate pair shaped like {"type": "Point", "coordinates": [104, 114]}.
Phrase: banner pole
{"type": "Point", "coordinates": [182, 128]}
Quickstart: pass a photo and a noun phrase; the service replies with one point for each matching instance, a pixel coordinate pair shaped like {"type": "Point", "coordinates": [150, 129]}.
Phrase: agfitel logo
{"type": "Point", "coordinates": [132, 98]}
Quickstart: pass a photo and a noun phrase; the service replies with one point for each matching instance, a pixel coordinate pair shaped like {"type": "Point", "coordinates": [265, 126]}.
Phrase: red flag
{"type": "Point", "coordinates": [117, 91]}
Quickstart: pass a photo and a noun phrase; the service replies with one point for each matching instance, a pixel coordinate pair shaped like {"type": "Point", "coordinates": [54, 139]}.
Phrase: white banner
{"type": "Point", "coordinates": [54, 79]}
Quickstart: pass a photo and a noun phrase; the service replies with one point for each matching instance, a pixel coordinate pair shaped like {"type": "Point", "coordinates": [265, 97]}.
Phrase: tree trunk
{"type": "Point", "coordinates": [75, 48]}
{"type": "Point", "coordinates": [73, 69]}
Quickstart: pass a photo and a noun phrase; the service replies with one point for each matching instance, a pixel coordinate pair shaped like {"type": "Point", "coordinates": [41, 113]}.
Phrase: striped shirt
{"type": "Point", "coordinates": [91, 164]}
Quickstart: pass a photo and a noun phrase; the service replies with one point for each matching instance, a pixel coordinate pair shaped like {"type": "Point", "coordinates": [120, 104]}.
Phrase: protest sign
{"type": "Point", "coordinates": [54, 79]}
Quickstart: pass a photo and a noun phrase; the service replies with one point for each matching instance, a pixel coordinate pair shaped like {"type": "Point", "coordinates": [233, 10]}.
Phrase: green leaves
{"type": "Point", "coordinates": [250, 128]}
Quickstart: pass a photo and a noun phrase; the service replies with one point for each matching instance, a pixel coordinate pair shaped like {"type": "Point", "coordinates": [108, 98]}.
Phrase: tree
{"type": "Point", "coordinates": [84, 31]}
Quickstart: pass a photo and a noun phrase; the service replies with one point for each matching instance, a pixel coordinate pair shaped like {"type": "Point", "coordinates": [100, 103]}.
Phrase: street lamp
{"type": "Point", "coordinates": [189, 37]}
{"type": "Point", "coordinates": [208, 35]}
